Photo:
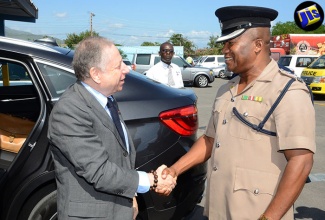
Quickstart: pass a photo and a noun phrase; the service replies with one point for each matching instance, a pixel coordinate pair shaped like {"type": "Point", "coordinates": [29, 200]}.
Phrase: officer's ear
{"type": "Point", "coordinates": [258, 45]}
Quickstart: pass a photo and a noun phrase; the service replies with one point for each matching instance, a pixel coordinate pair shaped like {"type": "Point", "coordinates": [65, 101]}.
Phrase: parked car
{"type": "Point", "coordinates": [192, 75]}
{"type": "Point", "coordinates": [211, 61]}
{"type": "Point", "coordinates": [129, 64]}
{"type": "Point", "coordinates": [314, 76]}
{"type": "Point", "coordinates": [162, 122]}
{"type": "Point", "coordinates": [222, 72]}
{"type": "Point", "coordinates": [297, 63]}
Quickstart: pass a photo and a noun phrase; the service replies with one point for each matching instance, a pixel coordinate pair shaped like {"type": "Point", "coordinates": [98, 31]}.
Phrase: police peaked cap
{"type": "Point", "coordinates": [235, 20]}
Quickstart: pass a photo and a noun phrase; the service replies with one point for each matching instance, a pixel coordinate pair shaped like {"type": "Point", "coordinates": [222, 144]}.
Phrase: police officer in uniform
{"type": "Point", "coordinates": [258, 165]}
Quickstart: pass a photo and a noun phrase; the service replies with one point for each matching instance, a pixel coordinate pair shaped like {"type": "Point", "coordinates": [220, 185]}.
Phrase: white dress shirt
{"type": "Point", "coordinates": [159, 72]}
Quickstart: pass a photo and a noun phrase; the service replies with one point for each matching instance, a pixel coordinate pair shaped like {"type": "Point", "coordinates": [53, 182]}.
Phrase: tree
{"type": "Point", "coordinates": [212, 41]}
{"type": "Point", "coordinates": [179, 40]}
{"type": "Point", "coordinates": [123, 55]}
{"type": "Point", "coordinates": [291, 27]}
{"type": "Point", "coordinates": [73, 39]}
{"type": "Point", "coordinates": [146, 43]}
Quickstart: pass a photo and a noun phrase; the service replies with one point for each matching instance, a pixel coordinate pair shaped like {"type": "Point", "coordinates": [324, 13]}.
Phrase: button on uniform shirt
{"type": "Point", "coordinates": [144, 183]}
{"type": "Point", "coordinates": [160, 71]}
{"type": "Point", "coordinates": [246, 166]}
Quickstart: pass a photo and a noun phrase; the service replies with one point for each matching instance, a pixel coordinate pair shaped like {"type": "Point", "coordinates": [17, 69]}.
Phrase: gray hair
{"type": "Point", "coordinates": [90, 52]}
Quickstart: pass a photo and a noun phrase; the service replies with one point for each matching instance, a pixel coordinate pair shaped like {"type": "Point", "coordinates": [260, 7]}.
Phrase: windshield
{"type": "Point", "coordinates": [284, 61]}
{"type": "Point", "coordinates": [318, 64]}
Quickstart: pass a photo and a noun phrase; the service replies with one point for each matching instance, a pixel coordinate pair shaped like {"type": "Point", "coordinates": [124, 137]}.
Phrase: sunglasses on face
{"type": "Point", "coordinates": [166, 51]}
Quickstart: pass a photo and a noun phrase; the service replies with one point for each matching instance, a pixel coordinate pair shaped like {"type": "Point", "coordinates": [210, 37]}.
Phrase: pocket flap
{"type": "Point", "coordinates": [255, 181]}
{"type": "Point", "coordinates": [84, 209]}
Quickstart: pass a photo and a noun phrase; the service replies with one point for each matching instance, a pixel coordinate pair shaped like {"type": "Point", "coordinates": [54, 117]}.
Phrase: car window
{"type": "Point", "coordinates": [319, 63]}
{"type": "Point", "coordinates": [157, 59]}
{"type": "Point", "coordinates": [56, 78]}
{"type": "Point", "coordinates": [284, 61]}
{"type": "Point", "coordinates": [210, 59]}
{"type": "Point", "coordinates": [143, 59]}
{"type": "Point", "coordinates": [127, 62]}
{"type": "Point", "coordinates": [13, 74]}
{"type": "Point", "coordinates": [178, 61]}
{"type": "Point", "coordinates": [304, 61]}
{"type": "Point", "coordinates": [221, 59]}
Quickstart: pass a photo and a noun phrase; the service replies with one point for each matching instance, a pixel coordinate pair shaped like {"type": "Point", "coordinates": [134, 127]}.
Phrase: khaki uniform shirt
{"type": "Point", "coordinates": [246, 166]}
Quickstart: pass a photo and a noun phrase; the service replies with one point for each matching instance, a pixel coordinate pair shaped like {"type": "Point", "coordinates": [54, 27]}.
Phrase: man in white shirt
{"type": "Point", "coordinates": [165, 71]}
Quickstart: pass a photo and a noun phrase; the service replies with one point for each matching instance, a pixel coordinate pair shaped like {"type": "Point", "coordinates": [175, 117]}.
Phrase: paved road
{"type": "Point", "coordinates": [311, 203]}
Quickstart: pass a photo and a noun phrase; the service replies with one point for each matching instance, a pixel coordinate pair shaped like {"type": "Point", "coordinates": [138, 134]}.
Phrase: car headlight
{"type": "Point", "coordinates": [319, 79]}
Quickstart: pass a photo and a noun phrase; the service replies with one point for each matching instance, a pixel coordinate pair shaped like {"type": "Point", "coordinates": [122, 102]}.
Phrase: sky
{"type": "Point", "coordinates": [130, 22]}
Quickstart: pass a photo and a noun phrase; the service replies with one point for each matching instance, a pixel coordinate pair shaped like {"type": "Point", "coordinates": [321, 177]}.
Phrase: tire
{"type": "Point", "coordinates": [222, 74]}
{"type": "Point", "coordinates": [41, 206]}
{"type": "Point", "coordinates": [201, 81]}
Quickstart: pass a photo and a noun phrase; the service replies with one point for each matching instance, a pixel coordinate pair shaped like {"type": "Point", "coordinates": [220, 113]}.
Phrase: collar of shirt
{"type": "Point", "coordinates": [103, 102]}
{"type": "Point", "coordinates": [166, 66]}
{"type": "Point", "coordinates": [100, 97]}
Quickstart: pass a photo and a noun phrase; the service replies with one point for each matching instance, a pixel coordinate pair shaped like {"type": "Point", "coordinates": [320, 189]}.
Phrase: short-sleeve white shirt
{"type": "Point", "coordinates": [159, 72]}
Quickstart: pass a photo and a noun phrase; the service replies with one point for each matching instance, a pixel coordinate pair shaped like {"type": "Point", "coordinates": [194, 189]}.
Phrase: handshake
{"type": "Point", "coordinates": [162, 180]}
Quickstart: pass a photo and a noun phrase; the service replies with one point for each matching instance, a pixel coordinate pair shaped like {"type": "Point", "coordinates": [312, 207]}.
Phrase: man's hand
{"type": "Point", "coordinates": [166, 174]}
{"type": "Point", "coordinates": [135, 208]}
{"type": "Point", "coordinates": [168, 171]}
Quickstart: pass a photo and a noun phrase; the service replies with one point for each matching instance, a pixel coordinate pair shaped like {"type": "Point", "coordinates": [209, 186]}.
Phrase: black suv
{"type": "Point", "coordinates": [162, 122]}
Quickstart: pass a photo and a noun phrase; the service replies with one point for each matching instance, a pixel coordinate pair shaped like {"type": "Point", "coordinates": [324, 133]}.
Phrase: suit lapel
{"type": "Point", "coordinates": [99, 111]}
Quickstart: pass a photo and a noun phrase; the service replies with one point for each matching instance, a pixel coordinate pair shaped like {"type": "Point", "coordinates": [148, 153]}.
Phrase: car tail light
{"type": "Point", "coordinates": [133, 67]}
{"type": "Point", "coordinates": [183, 121]}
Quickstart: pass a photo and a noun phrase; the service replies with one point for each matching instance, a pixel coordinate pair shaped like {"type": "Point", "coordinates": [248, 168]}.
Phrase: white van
{"type": "Point", "coordinates": [297, 62]}
{"type": "Point", "coordinates": [211, 61]}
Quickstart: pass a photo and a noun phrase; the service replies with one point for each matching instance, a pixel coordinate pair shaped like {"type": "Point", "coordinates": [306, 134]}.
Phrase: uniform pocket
{"type": "Point", "coordinates": [255, 181]}
{"type": "Point", "coordinates": [89, 210]}
{"type": "Point", "coordinates": [253, 112]}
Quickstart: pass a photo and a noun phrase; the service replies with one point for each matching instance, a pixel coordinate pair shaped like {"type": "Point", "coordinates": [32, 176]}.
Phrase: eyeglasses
{"type": "Point", "coordinates": [167, 51]}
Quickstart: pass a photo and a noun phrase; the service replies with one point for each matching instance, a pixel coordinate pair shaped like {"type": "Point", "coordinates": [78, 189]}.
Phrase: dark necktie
{"type": "Point", "coordinates": [112, 106]}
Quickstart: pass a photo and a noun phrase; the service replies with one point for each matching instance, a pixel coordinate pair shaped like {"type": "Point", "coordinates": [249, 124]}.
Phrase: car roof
{"type": "Point", "coordinates": [59, 54]}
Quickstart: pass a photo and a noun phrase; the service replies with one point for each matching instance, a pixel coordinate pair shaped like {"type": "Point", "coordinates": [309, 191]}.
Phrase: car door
{"type": "Point", "coordinates": [185, 68]}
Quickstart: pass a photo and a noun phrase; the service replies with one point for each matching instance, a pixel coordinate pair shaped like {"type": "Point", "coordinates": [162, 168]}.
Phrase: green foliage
{"type": "Point", "coordinates": [212, 41]}
{"type": "Point", "coordinates": [73, 39]}
{"type": "Point", "coordinates": [124, 56]}
{"type": "Point", "coordinates": [179, 40]}
{"type": "Point", "coordinates": [146, 43]}
{"type": "Point", "coordinates": [290, 27]}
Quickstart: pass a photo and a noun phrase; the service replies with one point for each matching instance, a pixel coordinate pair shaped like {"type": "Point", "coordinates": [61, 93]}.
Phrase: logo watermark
{"type": "Point", "coordinates": [309, 16]}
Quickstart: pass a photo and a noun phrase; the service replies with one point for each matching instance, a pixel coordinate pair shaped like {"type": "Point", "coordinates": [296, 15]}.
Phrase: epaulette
{"type": "Point", "coordinates": [291, 75]}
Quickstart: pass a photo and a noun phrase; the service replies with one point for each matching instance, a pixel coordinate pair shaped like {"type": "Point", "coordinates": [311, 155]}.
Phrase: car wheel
{"type": "Point", "coordinates": [222, 74]}
{"type": "Point", "coordinates": [41, 206]}
{"type": "Point", "coordinates": [201, 81]}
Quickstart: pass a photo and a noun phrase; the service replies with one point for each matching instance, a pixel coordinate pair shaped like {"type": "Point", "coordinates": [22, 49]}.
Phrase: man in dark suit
{"type": "Point", "coordinates": [92, 151]}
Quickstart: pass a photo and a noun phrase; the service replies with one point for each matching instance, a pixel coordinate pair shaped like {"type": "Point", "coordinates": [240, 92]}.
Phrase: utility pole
{"type": "Point", "coordinates": [91, 23]}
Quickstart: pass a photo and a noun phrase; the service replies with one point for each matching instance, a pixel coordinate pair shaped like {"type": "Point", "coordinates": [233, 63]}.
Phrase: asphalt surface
{"type": "Point", "coordinates": [311, 202]}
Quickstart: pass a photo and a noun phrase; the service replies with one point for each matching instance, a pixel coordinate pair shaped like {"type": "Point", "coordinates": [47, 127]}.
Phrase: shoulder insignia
{"type": "Point", "coordinates": [286, 72]}
{"type": "Point", "coordinates": [291, 75]}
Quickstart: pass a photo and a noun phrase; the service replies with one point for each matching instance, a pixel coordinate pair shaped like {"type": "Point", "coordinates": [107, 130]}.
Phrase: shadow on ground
{"type": "Point", "coordinates": [309, 213]}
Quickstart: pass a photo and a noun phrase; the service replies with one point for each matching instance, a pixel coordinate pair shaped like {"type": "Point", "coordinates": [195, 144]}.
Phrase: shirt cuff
{"type": "Point", "coordinates": [144, 183]}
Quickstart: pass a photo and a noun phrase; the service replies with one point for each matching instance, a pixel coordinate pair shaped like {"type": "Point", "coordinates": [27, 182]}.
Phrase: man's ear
{"type": "Point", "coordinates": [95, 74]}
{"type": "Point", "coordinates": [258, 45]}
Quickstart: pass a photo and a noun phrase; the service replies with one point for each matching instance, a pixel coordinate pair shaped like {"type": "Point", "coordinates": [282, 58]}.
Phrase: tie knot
{"type": "Point", "coordinates": [110, 102]}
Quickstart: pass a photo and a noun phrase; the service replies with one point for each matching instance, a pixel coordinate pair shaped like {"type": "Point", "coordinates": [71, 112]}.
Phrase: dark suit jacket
{"type": "Point", "coordinates": [94, 172]}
